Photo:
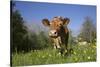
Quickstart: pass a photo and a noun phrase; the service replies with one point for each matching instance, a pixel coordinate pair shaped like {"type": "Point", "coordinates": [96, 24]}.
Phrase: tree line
{"type": "Point", "coordinates": [21, 38]}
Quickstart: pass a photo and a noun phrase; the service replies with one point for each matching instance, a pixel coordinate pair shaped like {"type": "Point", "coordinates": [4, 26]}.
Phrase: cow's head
{"type": "Point", "coordinates": [55, 25]}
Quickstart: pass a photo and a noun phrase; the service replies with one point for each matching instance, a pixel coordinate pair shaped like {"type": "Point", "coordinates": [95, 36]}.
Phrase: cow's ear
{"type": "Point", "coordinates": [45, 22]}
{"type": "Point", "coordinates": [66, 21]}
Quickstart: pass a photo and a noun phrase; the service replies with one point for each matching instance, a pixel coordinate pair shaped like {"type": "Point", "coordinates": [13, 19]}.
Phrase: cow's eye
{"type": "Point", "coordinates": [60, 24]}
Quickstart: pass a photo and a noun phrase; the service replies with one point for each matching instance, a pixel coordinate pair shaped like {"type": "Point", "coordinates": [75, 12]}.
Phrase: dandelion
{"type": "Point", "coordinates": [59, 54]}
{"type": "Point", "coordinates": [84, 51]}
{"type": "Point", "coordinates": [74, 52]}
{"type": "Point", "coordinates": [89, 57]}
{"type": "Point", "coordinates": [76, 59]}
{"type": "Point", "coordinates": [49, 55]}
{"type": "Point", "coordinates": [43, 56]}
{"type": "Point", "coordinates": [65, 51]}
{"type": "Point", "coordinates": [94, 46]}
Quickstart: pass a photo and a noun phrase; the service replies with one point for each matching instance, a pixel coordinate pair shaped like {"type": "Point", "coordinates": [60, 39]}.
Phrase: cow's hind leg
{"type": "Point", "coordinates": [63, 50]}
{"type": "Point", "coordinates": [66, 51]}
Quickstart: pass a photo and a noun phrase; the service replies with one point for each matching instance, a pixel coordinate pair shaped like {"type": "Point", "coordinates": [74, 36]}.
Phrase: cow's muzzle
{"type": "Point", "coordinates": [53, 33]}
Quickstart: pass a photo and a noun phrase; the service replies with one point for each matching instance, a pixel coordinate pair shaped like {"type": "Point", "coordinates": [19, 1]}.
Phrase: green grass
{"type": "Point", "coordinates": [85, 53]}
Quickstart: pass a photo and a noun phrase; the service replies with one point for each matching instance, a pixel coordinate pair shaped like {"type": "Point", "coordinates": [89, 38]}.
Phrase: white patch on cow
{"type": "Point", "coordinates": [53, 33]}
{"type": "Point", "coordinates": [57, 42]}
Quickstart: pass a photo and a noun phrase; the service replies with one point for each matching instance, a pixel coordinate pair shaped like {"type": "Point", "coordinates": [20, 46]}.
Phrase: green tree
{"type": "Point", "coordinates": [18, 30]}
{"type": "Point", "coordinates": [88, 30]}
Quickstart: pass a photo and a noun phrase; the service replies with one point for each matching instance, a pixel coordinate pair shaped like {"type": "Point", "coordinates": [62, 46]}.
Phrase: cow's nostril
{"type": "Point", "coordinates": [55, 33]}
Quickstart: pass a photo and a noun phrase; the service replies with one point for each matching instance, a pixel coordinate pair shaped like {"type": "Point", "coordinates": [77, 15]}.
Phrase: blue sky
{"type": "Point", "coordinates": [34, 12]}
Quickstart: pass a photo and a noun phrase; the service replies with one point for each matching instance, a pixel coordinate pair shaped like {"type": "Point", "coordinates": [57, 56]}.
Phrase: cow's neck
{"type": "Point", "coordinates": [64, 34]}
{"type": "Point", "coordinates": [63, 31]}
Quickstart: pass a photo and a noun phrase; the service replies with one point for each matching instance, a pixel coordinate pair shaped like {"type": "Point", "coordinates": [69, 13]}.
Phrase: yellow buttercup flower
{"type": "Point", "coordinates": [74, 52]}
{"type": "Point", "coordinates": [89, 57]}
{"type": "Point", "coordinates": [65, 51]}
{"type": "Point", "coordinates": [49, 55]}
{"type": "Point", "coordinates": [76, 59]}
{"type": "Point", "coordinates": [43, 56]}
{"type": "Point", "coordinates": [84, 51]}
{"type": "Point", "coordinates": [94, 46]}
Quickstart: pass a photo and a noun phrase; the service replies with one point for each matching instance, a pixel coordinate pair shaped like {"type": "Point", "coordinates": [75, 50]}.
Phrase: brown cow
{"type": "Point", "coordinates": [58, 32]}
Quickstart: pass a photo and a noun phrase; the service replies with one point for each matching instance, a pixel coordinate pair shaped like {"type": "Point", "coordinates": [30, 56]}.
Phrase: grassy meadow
{"type": "Point", "coordinates": [80, 53]}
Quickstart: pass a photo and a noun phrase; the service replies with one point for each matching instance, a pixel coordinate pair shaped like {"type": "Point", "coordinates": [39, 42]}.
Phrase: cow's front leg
{"type": "Point", "coordinates": [54, 45]}
{"type": "Point", "coordinates": [58, 42]}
